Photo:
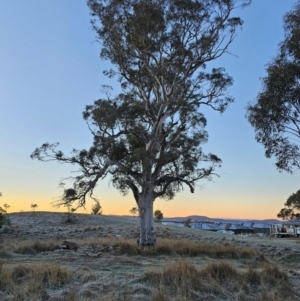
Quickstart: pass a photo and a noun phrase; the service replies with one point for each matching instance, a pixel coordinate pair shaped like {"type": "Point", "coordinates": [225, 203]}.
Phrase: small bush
{"type": "Point", "coordinates": [271, 275]}
{"type": "Point", "coordinates": [182, 273]}
{"type": "Point", "coordinates": [177, 278]}
{"type": "Point", "coordinates": [221, 272]}
{"type": "Point", "coordinates": [4, 220]}
{"type": "Point", "coordinates": [128, 248]}
{"type": "Point", "coordinates": [162, 249]}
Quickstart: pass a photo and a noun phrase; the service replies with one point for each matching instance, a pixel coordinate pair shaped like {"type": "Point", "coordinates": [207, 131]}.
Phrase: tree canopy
{"type": "Point", "coordinates": [292, 207]}
{"type": "Point", "coordinates": [158, 215]}
{"type": "Point", "coordinates": [134, 211]}
{"type": "Point", "coordinates": [276, 114]}
{"type": "Point", "coordinates": [149, 138]}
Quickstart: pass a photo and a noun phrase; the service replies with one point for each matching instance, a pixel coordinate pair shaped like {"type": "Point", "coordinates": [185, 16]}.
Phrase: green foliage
{"type": "Point", "coordinates": [292, 207]}
{"type": "Point", "coordinates": [152, 133]}
{"type": "Point", "coordinates": [158, 215]}
{"type": "Point", "coordinates": [149, 137]}
{"type": "Point", "coordinates": [276, 114]}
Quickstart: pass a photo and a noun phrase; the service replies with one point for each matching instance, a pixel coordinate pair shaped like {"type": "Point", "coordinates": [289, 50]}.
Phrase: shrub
{"type": "Point", "coordinates": [271, 275]}
{"type": "Point", "coordinates": [158, 215]}
{"type": "Point", "coordinates": [125, 247]}
{"type": "Point", "coordinates": [177, 278]}
{"type": "Point", "coordinates": [4, 221]}
{"type": "Point", "coordinates": [220, 272]}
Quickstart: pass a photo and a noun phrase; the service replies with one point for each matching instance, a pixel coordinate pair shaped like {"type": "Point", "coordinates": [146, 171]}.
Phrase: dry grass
{"type": "Point", "coordinates": [185, 265]}
{"type": "Point", "coordinates": [31, 281]}
{"type": "Point", "coordinates": [32, 247]}
{"type": "Point", "coordinates": [185, 248]}
{"type": "Point", "coordinates": [112, 290]}
{"type": "Point", "coordinates": [177, 281]}
{"type": "Point", "coordinates": [183, 281]}
{"type": "Point", "coordinates": [167, 247]}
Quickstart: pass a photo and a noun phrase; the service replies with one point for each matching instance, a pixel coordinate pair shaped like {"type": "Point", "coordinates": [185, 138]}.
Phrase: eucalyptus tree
{"type": "Point", "coordinates": [149, 138]}
{"type": "Point", "coordinates": [292, 207]}
{"type": "Point", "coordinates": [275, 115]}
{"type": "Point", "coordinates": [33, 207]}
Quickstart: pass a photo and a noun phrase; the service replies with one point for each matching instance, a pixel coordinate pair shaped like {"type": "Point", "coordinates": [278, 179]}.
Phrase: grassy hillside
{"type": "Point", "coordinates": [43, 257]}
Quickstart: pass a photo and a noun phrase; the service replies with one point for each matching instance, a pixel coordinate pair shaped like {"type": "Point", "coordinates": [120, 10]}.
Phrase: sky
{"type": "Point", "coordinates": [50, 70]}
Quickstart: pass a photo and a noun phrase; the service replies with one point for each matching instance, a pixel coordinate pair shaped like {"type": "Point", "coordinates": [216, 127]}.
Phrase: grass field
{"type": "Point", "coordinates": [102, 262]}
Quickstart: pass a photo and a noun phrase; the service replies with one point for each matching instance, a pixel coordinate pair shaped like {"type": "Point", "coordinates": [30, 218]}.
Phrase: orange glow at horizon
{"type": "Point", "coordinates": [181, 206]}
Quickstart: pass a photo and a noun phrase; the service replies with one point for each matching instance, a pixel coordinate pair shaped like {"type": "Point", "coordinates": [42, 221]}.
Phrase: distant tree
{"type": "Point", "coordinates": [158, 216]}
{"type": "Point", "coordinates": [96, 209]}
{"type": "Point", "coordinates": [6, 206]}
{"type": "Point", "coordinates": [133, 211]}
{"type": "Point", "coordinates": [187, 222]}
{"type": "Point", "coordinates": [292, 208]}
{"type": "Point", "coordinates": [0, 193]}
{"type": "Point", "coordinates": [4, 219]}
{"type": "Point", "coordinates": [33, 207]}
{"type": "Point", "coordinates": [149, 137]}
{"type": "Point", "coordinates": [275, 115]}
{"type": "Point", "coordinates": [67, 199]}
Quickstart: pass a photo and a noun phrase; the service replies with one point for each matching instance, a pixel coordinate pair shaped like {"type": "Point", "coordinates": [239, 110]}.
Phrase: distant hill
{"type": "Point", "coordinates": [220, 220]}
{"type": "Point", "coordinates": [267, 221]}
{"type": "Point", "coordinates": [193, 217]}
{"type": "Point", "coordinates": [203, 218]}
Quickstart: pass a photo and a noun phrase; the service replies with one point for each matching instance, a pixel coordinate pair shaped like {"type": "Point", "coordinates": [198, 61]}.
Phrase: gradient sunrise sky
{"type": "Point", "coordinates": [50, 70]}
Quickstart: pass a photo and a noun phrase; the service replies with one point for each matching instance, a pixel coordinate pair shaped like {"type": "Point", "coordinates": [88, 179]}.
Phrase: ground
{"type": "Point", "coordinates": [95, 257]}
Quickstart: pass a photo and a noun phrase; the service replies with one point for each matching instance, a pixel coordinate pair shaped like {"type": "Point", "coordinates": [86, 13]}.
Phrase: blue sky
{"type": "Point", "coordinates": [50, 70]}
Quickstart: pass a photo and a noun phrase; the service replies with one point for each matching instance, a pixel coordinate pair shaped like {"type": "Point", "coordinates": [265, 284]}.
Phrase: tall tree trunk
{"type": "Point", "coordinates": [147, 236]}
